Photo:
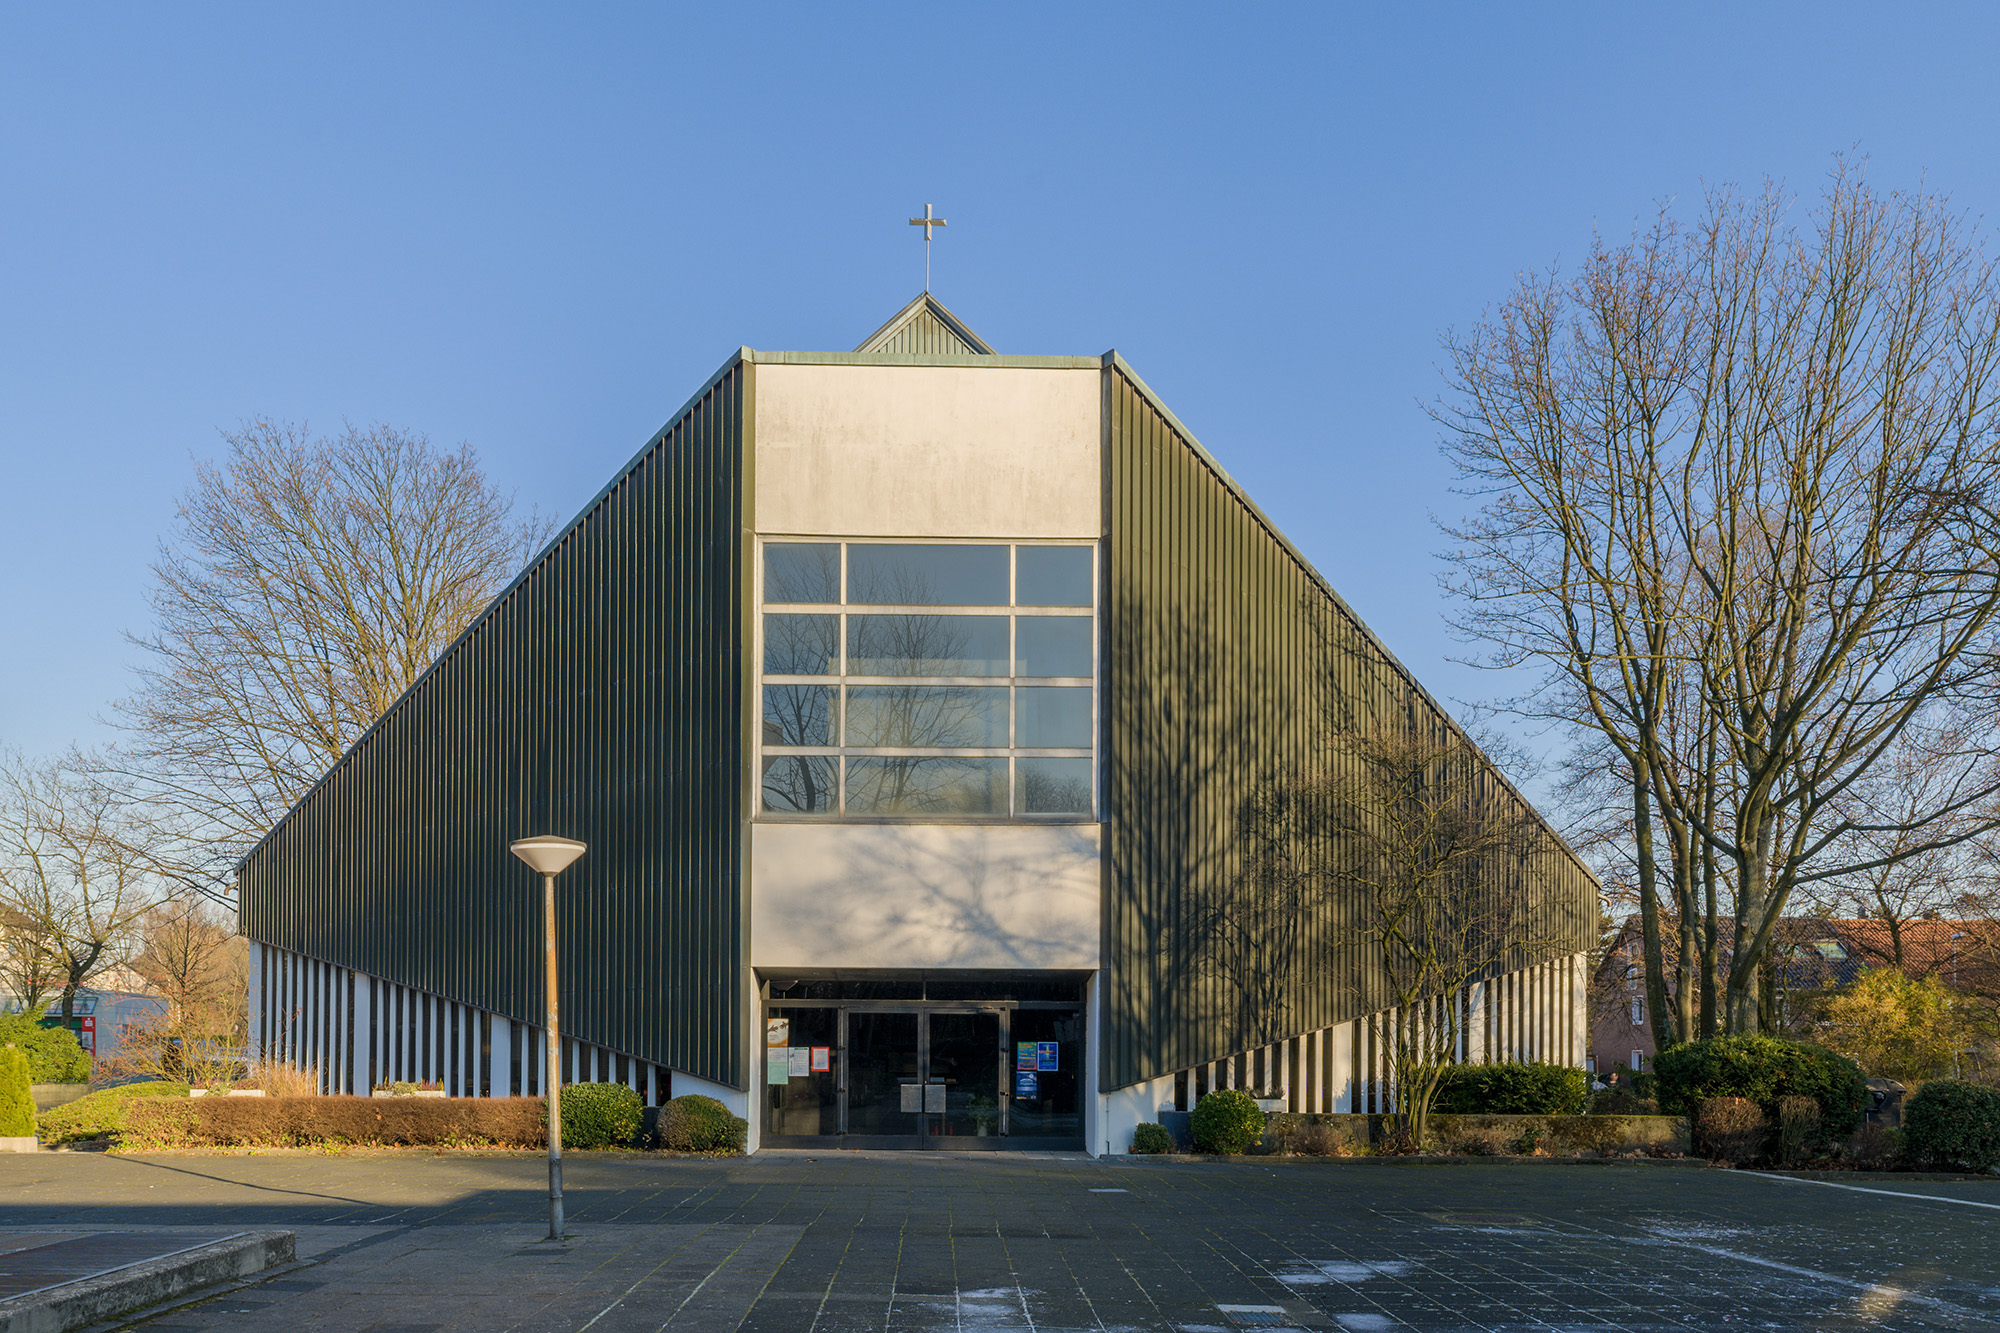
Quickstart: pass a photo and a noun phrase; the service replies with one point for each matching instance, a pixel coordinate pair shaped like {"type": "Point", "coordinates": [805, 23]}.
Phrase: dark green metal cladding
{"type": "Point", "coordinates": [599, 698]}
{"type": "Point", "coordinates": [1228, 662]}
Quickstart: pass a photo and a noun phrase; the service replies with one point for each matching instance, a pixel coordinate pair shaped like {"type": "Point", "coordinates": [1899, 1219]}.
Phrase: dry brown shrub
{"type": "Point", "coordinates": [1798, 1129]}
{"type": "Point", "coordinates": [1875, 1148]}
{"type": "Point", "coordinates": [283, 1080]}
{"type": "Point", "coordinates": [1729, 1129]}
{"type": "Point", "coordinates": [297, 1122]}
{"type": "Point", "coordinates": [1315, 1138]}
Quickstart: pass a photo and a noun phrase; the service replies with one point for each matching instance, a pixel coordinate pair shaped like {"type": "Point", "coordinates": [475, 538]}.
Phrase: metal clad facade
{"type": "Point", "coordinates": [927, 335]}
{"type": "Point", "coordinates": [1227, 664]}
{"type": "Point", "coordinates": [599, 698]}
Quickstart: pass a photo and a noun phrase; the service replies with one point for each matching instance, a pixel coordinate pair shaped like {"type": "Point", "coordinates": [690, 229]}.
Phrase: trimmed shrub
{"type": "Point", "coordinates": [1954, 1123]}
{"type": "Point", "coordinates": [1515, 1087]}
{"type": "Point", "coordinates": [1226, 1121]}
{"type": "Point", "coordinates": [1762, 1070]}
{"type": "Point", "coordinates": [17, 1104]}
{"type": "Point", "coordinates": [1798, 1129]}
{"type": "Point", "coordinates": [102, 1114]}
{"type": "Point", "coordinates": [302, 1122]}
{"type": "Point", "coordinates": [1151, 1138]}
{"type": "Point", "coordinates": [694, 1123]}
{"type": "Point", "coordinates": [1729, 1129]}
{"type": "Point", "coordinates": [53, 1053]}
{"type": "Point", "coordinates": [600, 1115]}
{"type": "Point", "coordinates": [1617, 1101]}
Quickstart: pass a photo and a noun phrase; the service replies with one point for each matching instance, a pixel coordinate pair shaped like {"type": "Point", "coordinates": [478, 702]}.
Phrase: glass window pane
{"type": "Point", "coordinates": [1052, 645]}
{"type": "Point", "coordinates": [948, 786]}
{"type": "Point", "coordinates": [801, 645]}
{"type": "Point", "coordinates": [801, 572]}
{"type": "Point", "coordinates": [800, 715]}
{"type": "Point", "coordinates": [927, 575]}
{"type": "Point", "coordinates": [927, 645]}
{"type": "Point", "coordinates": [1051, 786]}
{"type": "Point", "coordinates": [800, 784]}
{"type": "Point", "coordinates": [1052, 576]}
{"type": "Point", "coordinates": [960, 717]}
{"type": "Point", "coordinates": [1053, 717]}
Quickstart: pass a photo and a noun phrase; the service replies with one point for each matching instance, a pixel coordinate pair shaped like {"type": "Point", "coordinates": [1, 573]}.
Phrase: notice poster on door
{"type": "Point", "coordinates": [1027, 1084]}
{"type": "Point", "coordinates": [801, 1061]}
{"type": "Point", "coordinates": [1026, 1055]}
{"type": "Point", "coordinates": [822, 1059]}
{"type": "Point", "coordinates": [1045, 1056]}
{"type": "Point", "coordinates": [777, 1064]}
{"type": "Point", "coordinates": [777, 1032]}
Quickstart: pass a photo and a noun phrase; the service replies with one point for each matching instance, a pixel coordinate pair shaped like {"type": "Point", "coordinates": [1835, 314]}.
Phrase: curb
{"type": "Point", "coordinates": [89, 1300]}
{"type": "Point", "coordinates": [1412, 1159]}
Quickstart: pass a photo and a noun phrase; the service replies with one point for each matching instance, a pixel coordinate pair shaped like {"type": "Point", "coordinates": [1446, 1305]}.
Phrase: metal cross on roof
{"type": "Point", "coordinates": [927, 222]}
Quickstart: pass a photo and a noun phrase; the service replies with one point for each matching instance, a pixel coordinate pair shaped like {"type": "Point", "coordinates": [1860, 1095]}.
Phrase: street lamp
{"type": "Point", "coordinates": [549, 857]}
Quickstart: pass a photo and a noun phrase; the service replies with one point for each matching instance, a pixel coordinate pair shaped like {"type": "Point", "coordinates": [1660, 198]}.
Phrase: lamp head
{"type": "Point", "coordinates": [547, 856]}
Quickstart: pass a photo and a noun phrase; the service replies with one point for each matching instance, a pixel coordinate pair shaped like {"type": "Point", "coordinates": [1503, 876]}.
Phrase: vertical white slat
{"type": "Point", "coordinates": [501, 1074]}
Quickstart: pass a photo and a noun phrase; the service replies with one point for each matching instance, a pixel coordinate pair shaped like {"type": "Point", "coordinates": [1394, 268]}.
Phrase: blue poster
{"type": "Point", "coordinates": [1025, 1056]}
{"type": "Point", "coordinates": [1045, 1052]}
{"type": "Point", "coordinates": [1026, 1084]}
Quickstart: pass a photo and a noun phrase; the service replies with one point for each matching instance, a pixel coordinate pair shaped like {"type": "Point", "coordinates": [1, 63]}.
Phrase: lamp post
{"type": "Point", "coordinates": [549, 857]}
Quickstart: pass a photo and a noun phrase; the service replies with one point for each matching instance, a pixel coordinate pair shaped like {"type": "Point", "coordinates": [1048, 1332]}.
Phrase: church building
{"type": "Point", "coordinates": [911, 702]}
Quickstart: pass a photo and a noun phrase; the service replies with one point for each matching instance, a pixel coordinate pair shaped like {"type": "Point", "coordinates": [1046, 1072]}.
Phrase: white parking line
{"type": "Point", "coordinates": [1863, 1189]}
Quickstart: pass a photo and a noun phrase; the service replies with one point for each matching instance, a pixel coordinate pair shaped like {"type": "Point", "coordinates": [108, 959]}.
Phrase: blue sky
{"type": "Point", "coordinates": [538, 229]}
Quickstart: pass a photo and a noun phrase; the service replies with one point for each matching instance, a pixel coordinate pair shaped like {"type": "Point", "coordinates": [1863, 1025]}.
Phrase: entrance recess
{"type": "Point", "coordinates": [959, 1074]}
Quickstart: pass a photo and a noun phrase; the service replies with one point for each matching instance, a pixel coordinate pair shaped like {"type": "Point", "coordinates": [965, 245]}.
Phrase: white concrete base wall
{"type": "Point", "coordinates": [924, 895]}
{"type": "Point", "coordinates": [1120, 1112]}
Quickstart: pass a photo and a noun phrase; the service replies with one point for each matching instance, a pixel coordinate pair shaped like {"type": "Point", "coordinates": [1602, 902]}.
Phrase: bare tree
{"type": "Point", "coordinates": [1739, 491]}
{"type": "Point", "coordinates": [30, 964]}
{"type": "Point", "coordinates": [308, 583]}
{"type": "Point", "coordinates": [72, 870]}
{"type": "Point", "coordinates": [190, 956]}
{"type": "Point", "coordinates": [1445, 866]}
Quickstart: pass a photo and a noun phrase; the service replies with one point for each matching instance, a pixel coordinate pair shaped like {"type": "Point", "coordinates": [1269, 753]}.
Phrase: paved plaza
{"type": "Point", "coordinates": [407, 1243]}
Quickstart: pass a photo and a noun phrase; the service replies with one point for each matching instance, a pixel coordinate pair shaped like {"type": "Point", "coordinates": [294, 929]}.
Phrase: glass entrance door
{"type": "Point", "coordinates": [964, 1069]}
{"type": "Point", "coordinates": [923, 1080]}
{"type": "Point", "coordinates": [885, 1083]}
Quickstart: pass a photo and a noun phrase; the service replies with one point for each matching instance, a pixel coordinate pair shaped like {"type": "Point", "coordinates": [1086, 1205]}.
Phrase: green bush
{"type": "Point", "coordinates": [1226, 1121]}
{"type": "Point", "coordinates": [694, 1123]}
{"type": "Point", "coordinates": [1762, 1070]}
{"type": "Point", "coordinates": [1513, 1088]}
{"type": "Point", "coordinates": [53, 1053]}
{"type": "Point", "coordinates": [599, 1115]}
{"type": "Point", "coordinates": [101, 1114]}
{"type": "Point", "coordinates": [1953, 1123]}
{"type": "Point", "coordinates": [1152, 1138]}
{"type": "Point", "coordinates": [17, 1105]}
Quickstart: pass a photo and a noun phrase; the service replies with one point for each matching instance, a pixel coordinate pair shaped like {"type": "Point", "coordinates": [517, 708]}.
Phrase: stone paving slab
{"type": "Point", "coordinates": [835, 1242]}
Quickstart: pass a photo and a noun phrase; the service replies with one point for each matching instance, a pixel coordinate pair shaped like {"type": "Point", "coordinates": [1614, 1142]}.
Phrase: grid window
{"type": "Point", "coordinates": [929, 680]}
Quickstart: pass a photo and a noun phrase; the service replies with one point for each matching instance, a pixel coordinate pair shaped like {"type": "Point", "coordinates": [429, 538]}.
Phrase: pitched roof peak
{"type": "Point", "coordinates": [924, 325]}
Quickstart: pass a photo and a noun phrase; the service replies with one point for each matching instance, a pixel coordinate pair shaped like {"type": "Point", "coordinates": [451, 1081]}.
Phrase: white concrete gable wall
{"type": "Point", "coordinates": [928, 451]}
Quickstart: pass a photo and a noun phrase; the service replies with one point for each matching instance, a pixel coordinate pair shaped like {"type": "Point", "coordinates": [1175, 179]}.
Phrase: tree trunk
{"type": "Point", "coordinates": [1649, 917]}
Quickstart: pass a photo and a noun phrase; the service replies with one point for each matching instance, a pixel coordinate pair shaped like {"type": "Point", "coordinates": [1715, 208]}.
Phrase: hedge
{"type": "Point", "coordinates": [694, 1123]}
{"type": "Point", "coordinates": [1151, 1138]}
{"type": "Point", "coordinates": [1513, 1088]}
{"type": "Point", "coordinates": [1763, 1070]}
{"type": "Point", "coordinates": [1226, 1121]}
{"type": "Point", "coordinates": [17, 1104]}
{"type": "Point", "coordinates": [1952, 1123]}
{"type": "Point", "coordinates": [297, 1122]}
{"type": "Point", "coordinates": [53, 1053]}
{"type": "Point", "coordinates": [599, 1115]}
{"type": "Point", "coordinates": [102, 1114]}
